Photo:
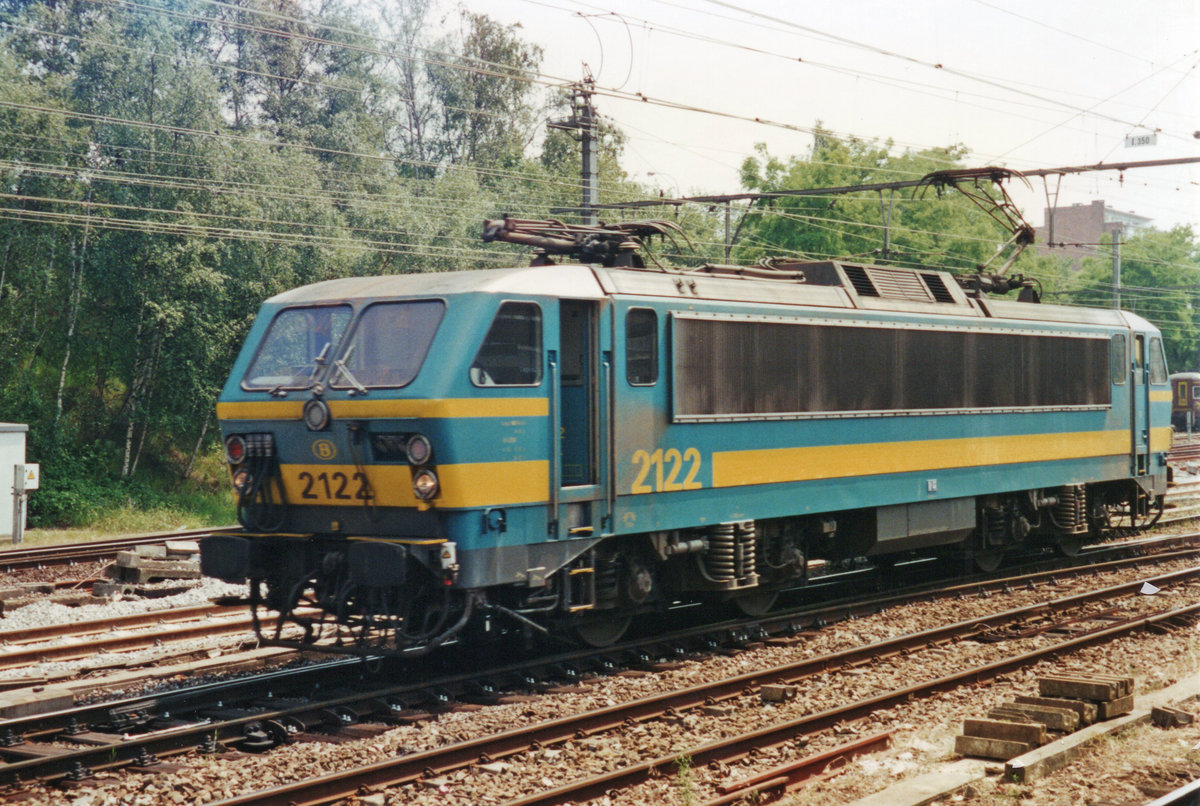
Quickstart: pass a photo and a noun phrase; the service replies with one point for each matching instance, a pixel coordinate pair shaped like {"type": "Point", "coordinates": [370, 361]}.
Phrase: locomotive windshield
{"type": "Point", "coordinates": [389, 343]}
{"type": "Point", "coordinates": [298, 343]}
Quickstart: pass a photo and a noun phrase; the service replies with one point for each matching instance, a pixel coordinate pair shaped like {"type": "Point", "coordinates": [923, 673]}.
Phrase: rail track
{"type": "Point", "coordinates": [1184, 449]}
{"type": "Point", "coordinates": [233, 714]}
{"type": "Point", "coordinates": [19, 648]}
{"type": "Point", "coordinates": [25, 557]}
{"type": "Point", "coordinates": [265, 711]}
{"type": "Point", "coordinates": [617, 719]}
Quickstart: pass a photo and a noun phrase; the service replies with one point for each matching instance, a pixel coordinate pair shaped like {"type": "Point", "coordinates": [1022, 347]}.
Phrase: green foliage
{"type": "Point", "coordinates": [685, 781]}
{"type": "Point", "coordinates": [1160, 281]}
{"type": "Point", "coordinates": [204, 160]}
{"type": "Point", "coordinates": [925, 228]}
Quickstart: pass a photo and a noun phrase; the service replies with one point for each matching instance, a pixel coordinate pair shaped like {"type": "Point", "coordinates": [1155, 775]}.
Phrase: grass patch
{"type": "Point", "coordinates": [78, 502]}
{"type": "Point", "coordinates": [128, 519]}
{"type": "Point", "coordinates": [185, 509]}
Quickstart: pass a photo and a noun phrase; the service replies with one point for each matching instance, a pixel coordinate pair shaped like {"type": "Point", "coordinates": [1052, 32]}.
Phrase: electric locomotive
{"type": "Point", "coordinates": [568, 445]}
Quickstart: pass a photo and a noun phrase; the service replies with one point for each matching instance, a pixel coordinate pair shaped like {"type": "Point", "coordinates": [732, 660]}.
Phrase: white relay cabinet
{"type": "Point", "coordinates": [12, 454]}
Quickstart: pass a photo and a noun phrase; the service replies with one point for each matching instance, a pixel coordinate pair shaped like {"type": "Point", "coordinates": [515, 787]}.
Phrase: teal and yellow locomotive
{"type": "Point", "coordinates": [419, 458]}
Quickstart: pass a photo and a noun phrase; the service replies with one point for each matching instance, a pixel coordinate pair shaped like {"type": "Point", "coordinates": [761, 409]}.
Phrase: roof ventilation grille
{"type": "Point", "coordinates": [899, 284]}
{"type": "Point", "coordinates": [858, 277]}
{"type": "Point", "coordinates": [937, 287]}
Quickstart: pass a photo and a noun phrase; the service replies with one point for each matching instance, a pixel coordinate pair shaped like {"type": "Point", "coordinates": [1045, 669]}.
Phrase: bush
{"type": "Point", "coordinates": [69, 501]}
{"type": "Point", "coordinates": [117, 506]}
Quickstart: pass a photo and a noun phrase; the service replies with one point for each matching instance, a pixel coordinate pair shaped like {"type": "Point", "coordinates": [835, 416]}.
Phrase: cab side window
{"type": "Point", "coordinates": [1120, 358]}
{"type": "Point", "coordinates": [511, 354]}
{"type": "Point", "coordinates": [641, 347]}
{"type": "Point", "coordinates": [1158, 361]}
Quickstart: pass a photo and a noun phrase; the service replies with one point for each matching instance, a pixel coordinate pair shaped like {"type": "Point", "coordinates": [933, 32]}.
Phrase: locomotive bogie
{"type": "Point", "coordinates": [546, 445]}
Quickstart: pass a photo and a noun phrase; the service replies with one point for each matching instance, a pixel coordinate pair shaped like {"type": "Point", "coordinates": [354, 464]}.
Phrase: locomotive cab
{"type": "Point", "coordinates": [381, 431]}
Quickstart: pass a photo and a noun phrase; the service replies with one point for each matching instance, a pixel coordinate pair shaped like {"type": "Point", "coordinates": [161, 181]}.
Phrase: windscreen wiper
{"type": "Point", "coordinates": [340, 366]}
{"type": "Point", "coordinates": [313, 378]}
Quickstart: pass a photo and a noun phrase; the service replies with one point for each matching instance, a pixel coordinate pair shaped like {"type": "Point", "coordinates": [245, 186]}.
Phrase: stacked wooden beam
{"type": "Point", "coordinates": [1064, 704]}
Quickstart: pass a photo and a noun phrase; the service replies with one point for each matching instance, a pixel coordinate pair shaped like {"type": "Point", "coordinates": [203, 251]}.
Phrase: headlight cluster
{"type": "Point", "coordinates": [425, 481]}
{"type": "Point", "coordinates": [412, 448]}
{"type": "Point", "coordinates": [239, 447]}
{"type": "Point", "coordinates": [417, 450]}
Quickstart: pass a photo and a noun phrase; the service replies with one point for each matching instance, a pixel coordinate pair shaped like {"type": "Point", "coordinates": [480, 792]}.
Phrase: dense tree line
{"type": "Point", "coordinates": [168, 164]}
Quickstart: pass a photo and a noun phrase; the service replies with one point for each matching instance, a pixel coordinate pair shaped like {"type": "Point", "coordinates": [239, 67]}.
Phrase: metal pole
{"type": "Point", "coordinates": [18, 524]}
{"type": "Point", "coordinates": [1116, 257]}
{"type": "Point", "coordinates": [589, 178]}
{"type": "Point", "coordinates": [728, 234]}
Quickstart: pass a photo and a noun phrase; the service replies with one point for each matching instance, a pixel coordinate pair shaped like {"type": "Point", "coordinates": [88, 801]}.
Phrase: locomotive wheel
{"type": "Point", "coordinates": [987, 560]}
{"type": "Point", "coordinates": [601, 631]}
{"type": "Point", "coordinates": [1069, 545]}
{"type": "Point", "coordinates": [756, 603]}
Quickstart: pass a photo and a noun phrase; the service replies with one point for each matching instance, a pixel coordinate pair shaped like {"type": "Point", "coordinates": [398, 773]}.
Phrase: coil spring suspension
{"type": "Point", "coordinates": [1070, 513]}
{"type": "Point", "coordinates": [607, 572]}
{"type": "Point", "coordinates": [731, 551]}
{"type": "Point", "coordinates": [993, 529]}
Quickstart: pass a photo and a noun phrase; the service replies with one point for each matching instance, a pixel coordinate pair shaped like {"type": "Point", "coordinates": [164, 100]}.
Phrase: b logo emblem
{"type": "Point", "coordinates": [324, 449]}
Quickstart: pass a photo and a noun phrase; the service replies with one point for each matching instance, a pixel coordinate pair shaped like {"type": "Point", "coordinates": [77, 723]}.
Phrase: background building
{"type": "Point", "coordinates": [1084, 224]}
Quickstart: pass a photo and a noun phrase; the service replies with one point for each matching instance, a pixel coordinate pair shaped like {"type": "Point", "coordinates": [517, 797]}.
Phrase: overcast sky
{"type": "Point", "coordinates": [1020, 83]}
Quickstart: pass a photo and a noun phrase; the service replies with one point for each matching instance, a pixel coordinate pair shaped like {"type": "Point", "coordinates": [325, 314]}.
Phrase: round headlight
{"type": "Point", "coordinates": [418, 449]}
{"type": "Point", "coordinates": [235, 449]}
{"type": "Point", "coordinates": [316, 414]}
{"type": "Point", "coordinates": [242, 481]}
{"type": "Point", "coordinates": [425, 484]}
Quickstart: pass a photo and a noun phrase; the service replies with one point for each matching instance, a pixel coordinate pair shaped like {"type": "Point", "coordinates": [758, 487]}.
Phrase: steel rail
{"type": "Point", "coordinates": [779, 780]}
{"type": "Point", "coordinates": [31, 635]}
{"type": "Point", "coordinates": [27, 655]}
{"type": "Point", "coordinates": [410, 768]}
{"type": "Point", "coordinates": [231, 731]}
{"type": "Point", "coordinates": [737, 746]}
{"type": "Point", "coordinates": [1186, 795]}
{"type": "Point", "coordinates": [37, 556]}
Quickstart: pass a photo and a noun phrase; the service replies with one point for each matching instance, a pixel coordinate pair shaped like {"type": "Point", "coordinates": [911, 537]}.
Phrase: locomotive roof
{"type": "Point", "coordinates": [561, 281]}
{"type": "Point", "coordinates": [831, 284]}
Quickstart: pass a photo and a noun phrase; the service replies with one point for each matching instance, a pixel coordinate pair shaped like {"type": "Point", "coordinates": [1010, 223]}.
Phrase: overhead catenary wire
{"type": "Point", "coordinates": [936, 66]}
{"type": "Point", "coordinates": [292, 19]}
{"type": "Point", "coordinates": [359, 155]}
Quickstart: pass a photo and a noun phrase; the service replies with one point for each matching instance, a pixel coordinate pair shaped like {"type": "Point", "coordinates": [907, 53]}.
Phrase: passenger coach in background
{"type": "Point", "coordinates": [1185, 401]}
{"type": "Point", "coordinates": [561, 448]}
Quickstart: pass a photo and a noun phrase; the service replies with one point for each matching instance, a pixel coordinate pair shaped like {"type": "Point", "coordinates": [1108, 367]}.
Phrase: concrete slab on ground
{"type": "Point", "coordinates": [948, 779]}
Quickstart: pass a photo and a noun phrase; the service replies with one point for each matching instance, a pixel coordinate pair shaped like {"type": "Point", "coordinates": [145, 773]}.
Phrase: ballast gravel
{"type": "Point", "coordinates": [46, 613]}
{"type": "Point", "coordinates": [924, 729]}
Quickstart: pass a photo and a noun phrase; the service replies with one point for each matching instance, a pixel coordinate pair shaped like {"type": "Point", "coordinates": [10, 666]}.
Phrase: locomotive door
{"type": "Point", "coordinates": [1141, 407]}
{"type": "Point", "coordinates": [582, 369]}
